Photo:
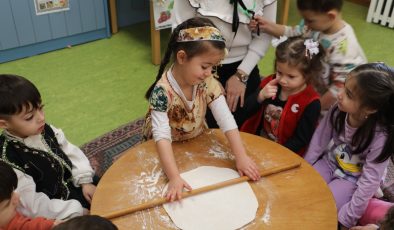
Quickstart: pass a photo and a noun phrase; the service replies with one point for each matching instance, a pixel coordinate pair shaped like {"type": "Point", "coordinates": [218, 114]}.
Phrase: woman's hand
{"type": "Point", "coordinates": [88, 191]}
{"type": "Point", "coordinates": [175, 188]}
{"type": "Point", "coordinates": [248, 167]}
{"type": "Point", "coordinates": [235, 90]}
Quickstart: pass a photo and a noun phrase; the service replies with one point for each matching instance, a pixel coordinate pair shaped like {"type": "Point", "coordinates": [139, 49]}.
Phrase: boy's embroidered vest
{"type": "Point", "coordinates": [291, 114]}
{"type": "Point", "coordinates": [51, 171]}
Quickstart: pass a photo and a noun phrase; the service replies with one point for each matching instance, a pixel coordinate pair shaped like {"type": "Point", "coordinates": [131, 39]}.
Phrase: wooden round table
{"type": "Point", "coordinates": [295, 199]}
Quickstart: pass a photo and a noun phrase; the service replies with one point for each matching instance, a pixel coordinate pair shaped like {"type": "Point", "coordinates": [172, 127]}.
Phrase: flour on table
{"type": "Point", "coordinates": [218, 153]}
{"type": "Point", "coordinates": [147, 188]}
{"type": "Point", "coordinates": [227, 208]}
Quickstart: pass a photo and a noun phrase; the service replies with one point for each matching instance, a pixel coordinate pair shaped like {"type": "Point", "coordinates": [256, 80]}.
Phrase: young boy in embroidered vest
{"type": "Point", "coordinates": [322, 21]}
{"type": "Point", "coordinates": [286, 108]}
{"type": "Point", "coordinates": [9, 200]}
{"type": "Point", "coordinates": [54, 176]}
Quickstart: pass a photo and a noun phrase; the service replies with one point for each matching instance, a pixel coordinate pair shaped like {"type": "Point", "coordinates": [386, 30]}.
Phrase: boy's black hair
{"type": "Point", "coordinates": [88, 222]}
{"type": "Point", "coordinates": [17, 92]}
{"type": "Point", "coordinates": [192, 48]}
{"type": "Point", "coordinates": [375, 90]}
{"type": "Point", "coordinates": [8, 181]}
{"type": "Point", "coordinates": [321, 6]}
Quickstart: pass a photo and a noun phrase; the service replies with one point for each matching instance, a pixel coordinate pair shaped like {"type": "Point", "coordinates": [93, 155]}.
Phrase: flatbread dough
{"type": "Point", "coordinates": [230, 207]}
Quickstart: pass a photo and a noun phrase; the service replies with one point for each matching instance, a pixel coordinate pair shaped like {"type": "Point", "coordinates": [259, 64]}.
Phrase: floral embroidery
{"type": "Point", "coordinates": [158, 99]}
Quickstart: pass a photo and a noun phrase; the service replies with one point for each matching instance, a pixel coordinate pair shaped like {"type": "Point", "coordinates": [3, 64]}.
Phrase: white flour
{"type": "Point", "coordinates": [146, 188]}
{"type": "Point", "coordinates": [269, 189]}
{"type": "Point", "coordinates": [218, 151]}
{"type": "Point", "coordinates": [189, 155]}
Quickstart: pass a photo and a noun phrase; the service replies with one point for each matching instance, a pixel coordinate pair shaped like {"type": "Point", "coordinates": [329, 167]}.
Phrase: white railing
{"type": "Point", "coordinates": [381, 11]}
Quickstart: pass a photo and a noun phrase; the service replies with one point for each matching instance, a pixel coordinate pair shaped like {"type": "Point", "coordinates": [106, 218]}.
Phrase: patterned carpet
{"type": "Point", "coordinates": [104, 150]}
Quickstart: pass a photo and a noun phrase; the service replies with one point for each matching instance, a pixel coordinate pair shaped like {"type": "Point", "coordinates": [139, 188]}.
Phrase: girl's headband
{"type": "Point", "coordinates": [204, 33]}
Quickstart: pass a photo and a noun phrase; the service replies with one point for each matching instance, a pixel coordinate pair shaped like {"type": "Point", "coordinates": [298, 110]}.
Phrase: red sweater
{"type": "Point", "coordinates": [291, 114]}
{"type": "Point", "coordinates": [20, 222]}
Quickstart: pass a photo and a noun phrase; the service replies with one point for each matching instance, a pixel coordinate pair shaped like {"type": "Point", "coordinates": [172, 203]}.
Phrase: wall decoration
{"type": "Point", "coordinates": [162, 13]}
{"type": "Point", "coordinates": [50, 6]}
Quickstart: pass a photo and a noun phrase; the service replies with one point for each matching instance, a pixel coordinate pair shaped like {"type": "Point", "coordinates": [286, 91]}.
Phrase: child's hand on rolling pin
{"type": "Point", "coordinates": [247, 167]}
{"type": "Point", "coordinates": [175, 188]}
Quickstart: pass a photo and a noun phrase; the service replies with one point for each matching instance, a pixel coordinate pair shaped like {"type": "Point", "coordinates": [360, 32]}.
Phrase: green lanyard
{"type": "Point", "coordinates": [247, 11]}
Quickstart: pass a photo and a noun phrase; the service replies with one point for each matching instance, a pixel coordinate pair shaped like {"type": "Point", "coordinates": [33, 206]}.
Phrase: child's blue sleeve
{"type": "Point", "coordinates": [293, 31]}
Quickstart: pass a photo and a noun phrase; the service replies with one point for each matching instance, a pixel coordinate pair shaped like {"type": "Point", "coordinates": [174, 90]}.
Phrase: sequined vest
{"type": "Point", "coordinates": [51, 171]}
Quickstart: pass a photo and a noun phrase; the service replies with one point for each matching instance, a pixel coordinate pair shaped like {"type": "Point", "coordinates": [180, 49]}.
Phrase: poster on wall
{"type": "Point", "coordinates": [50, 6]}
{"type": "Point", "coordinates": [162, 10]}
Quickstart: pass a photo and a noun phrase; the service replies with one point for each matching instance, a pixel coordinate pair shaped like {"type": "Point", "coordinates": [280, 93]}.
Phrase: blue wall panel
{"type": "Point", "coordinates": [8, 36]}
{"type": "Point", "coordinates": [40, 24]}
{"type": "Point", "coordinates": [23, 22]}
{"type": "Point", "coordinates": [88, 16]}
{"type": "Point", "coordinates": [58, 25]}
{"type": "Point", "coordinates": [23, 33]}
{"type": "Point", "coordinates": [100, 12]}
{"type": "Point", "coordinates": [73, 18]}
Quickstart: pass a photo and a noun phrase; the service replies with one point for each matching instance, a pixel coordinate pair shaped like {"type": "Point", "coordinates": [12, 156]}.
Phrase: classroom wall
{"type": "Point", "coordinates": [23, 33]}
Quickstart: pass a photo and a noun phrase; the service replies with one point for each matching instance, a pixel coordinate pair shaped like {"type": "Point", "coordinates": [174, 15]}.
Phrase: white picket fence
{"type": "Point", "coordinates": [381, 11]}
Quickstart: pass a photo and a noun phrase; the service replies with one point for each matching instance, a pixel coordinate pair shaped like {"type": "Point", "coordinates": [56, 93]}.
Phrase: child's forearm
{"type": "Point", "coordinates": [274, 29]}
{"type": "Point", "coordinates": [270, 27]}
{"type": "Point", "coordinates": [234, 138]}
{"type": "Point", "coordinates": [245, 165]}
{"type": "Point", "coordinates": [166, 154]}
